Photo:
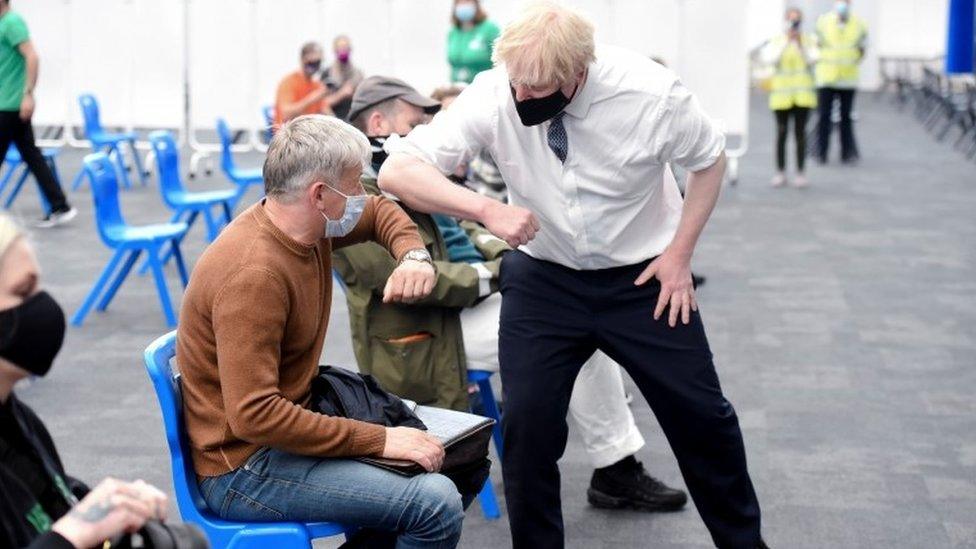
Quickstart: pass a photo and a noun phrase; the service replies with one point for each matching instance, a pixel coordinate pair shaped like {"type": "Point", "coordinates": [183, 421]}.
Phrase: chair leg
{"type": "Point", "coordinates": [86, 305]}
{"type": "Point", "coordinates": [119, 278]}
{"type": "Point", "coordinates": [178, 258]}
{"type": "Point", "coordinates": [177, 217]}
{"type": "Point", "coordinates": [16, 190]}
{"type": "Point", "coordinates": [491, 409]}
{"type": "Point", "coordinates": [212, 229]}
{"type": "Point", "coordinates": [228, 216]}
{"type": "Point", "coordinates": [7, 176]}
{"type": "Point", "coordinates": [161, 289]}
{"type": "Point", "coordinates": [148, 163]}
{"type": "Point", "coordinates": [489, 504]}
{"type": "Point", "coordinates": [138, 162]}
{"type": "Point", "coordinates": [120, 165]}
{"type": "Point", "coordinates": [78, 179]}
{"type": "Point", "coordinates": [241, 189]}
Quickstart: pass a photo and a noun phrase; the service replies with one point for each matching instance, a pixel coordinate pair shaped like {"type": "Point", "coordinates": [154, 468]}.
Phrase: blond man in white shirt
{"type": "Point", "coordinates": [582, 137]}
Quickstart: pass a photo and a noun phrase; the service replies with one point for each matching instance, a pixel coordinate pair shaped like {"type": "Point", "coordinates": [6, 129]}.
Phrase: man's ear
{"type": "Point", "coordinates": [315, 194]}
{"type": "Point", "coordinates": [374, 123]}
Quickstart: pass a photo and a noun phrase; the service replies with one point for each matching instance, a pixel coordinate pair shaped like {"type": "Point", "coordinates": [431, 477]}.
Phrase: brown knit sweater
{"type": "Point", "coordinates": [252, 324]}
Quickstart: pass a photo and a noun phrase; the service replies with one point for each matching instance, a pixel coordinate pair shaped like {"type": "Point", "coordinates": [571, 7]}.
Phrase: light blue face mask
{"type": "Point", "coordinates": [842, 8]}
{"type": "Point", "coordinates": [350, 216]}
{"type": "Point", "coordinates": [465, 12]}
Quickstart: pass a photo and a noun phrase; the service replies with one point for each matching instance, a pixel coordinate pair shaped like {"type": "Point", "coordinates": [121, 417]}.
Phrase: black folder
{"type": "Point", "coordinates": [465, 437]}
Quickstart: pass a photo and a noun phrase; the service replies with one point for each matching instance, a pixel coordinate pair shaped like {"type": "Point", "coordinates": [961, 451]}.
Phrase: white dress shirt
{"type": "Point", "coordinates": [614, 201]}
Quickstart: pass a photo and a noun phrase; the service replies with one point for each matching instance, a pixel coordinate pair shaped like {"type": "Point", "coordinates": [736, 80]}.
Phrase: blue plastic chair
{"type": "Point", "coordinates": [127, 241]}
{"type": "Point", "coordinates": [186, 205]}
{"type": "Point", "coordinates": [489, 503]}
{"type": "Point", "coordinates": [14, 161]}
{"type": "Point", "coordinates": [221, 533]}
{"type": "Point", "coordinates": [104, 141]}
{"type": "Point", "coordinates": [241, 177]}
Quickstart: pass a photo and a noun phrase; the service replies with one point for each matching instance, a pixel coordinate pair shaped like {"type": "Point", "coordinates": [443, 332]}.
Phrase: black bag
{"type": "Point", "coordinates": [339, 392]}
{"type": "Point", "coordinates": [342, 393]}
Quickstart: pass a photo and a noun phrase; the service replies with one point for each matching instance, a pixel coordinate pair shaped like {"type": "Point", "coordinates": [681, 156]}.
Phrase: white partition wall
{"type": "Point", "coordinates": [130, 53]}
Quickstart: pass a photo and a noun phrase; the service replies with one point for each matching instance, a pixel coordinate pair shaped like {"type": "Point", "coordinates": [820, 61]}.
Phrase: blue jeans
{"type": "Point", "coordinates": [425, 510]}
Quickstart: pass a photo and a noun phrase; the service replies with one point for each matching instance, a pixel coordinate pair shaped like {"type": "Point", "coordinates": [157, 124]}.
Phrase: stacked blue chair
{"type": "Point", "coordinates": [186, 205]}
{"type": "Point", "coordinates": [13, 161]}
{"type": "Point", "coordinates": [221, 533]}
{"type": "Point", "coordinates": [110, 142]}
{"type": "Point", "coordinates": [489, 503]}
{"type": "Point", "coordinates": [241, 177]}
{"type": "Point", "coordinates": [128, 242]}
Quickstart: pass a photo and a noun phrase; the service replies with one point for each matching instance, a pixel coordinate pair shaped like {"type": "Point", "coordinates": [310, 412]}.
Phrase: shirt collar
{"type": "Point", "coordinates": [580, 105]}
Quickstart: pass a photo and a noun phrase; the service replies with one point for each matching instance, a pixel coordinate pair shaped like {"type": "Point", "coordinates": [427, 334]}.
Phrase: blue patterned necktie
{"type": "Point", "coordinates": [557, 137]}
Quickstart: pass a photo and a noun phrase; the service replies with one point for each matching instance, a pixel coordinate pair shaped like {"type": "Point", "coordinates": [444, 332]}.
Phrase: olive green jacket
{"type": "Point", "coordinates": [430, 366]}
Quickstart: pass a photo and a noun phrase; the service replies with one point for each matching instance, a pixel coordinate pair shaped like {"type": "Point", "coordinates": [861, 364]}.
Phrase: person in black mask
{"type": "Point", "coordinates": [463, 312]}
{"type": "Point", "coordinates": [303, 92]}
{"type": "Point", "coordinates": [40, 505]}
{"type": "Point", "coordinates": [583, 136]}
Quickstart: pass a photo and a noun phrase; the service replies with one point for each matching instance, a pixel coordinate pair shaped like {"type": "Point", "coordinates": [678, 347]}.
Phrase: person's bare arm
{"type": "Point", "coordinates": [26, 48]}
{"type": "Point", "coordinates": [290, 110]}
{"type": "Point", "coordinates": [421, 186]}
{"type": "Point", "coordinates": [340, 95]}
{"type": "Point", "coordinates": [673, 267]}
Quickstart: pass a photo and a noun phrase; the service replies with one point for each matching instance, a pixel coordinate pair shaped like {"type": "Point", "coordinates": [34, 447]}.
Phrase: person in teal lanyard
{"type": "Point", "coordinates": [470, 41]}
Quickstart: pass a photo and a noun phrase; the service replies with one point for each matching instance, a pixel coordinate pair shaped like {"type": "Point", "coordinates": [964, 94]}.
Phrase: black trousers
{"type": "Point", "coordinates": [825, 106]}
{"type": "Point", "coordinates": [553, 319]}
{"type": "Point", "coordinates": [21, 133]}
{"type": "Point", "coordinates": [799, 116]}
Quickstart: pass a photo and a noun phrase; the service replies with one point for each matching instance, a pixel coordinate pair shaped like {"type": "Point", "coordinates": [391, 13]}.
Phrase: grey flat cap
{"type": "Point", "coordinates": [377, 89]}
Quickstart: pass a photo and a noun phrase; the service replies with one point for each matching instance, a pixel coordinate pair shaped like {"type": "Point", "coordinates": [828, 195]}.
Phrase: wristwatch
{"type": "Point", "coordinates": [419, 254]}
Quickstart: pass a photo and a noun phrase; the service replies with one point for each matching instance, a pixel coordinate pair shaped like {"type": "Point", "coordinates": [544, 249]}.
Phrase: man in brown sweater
{"type": "Point", "coordinates": [252, 326]}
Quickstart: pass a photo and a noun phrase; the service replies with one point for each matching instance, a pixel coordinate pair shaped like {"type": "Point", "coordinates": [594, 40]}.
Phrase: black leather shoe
{"type": "Point", "coordinates": [626, 485]}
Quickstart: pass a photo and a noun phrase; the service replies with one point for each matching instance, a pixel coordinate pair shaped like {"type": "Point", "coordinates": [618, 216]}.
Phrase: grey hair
{"type": "Point", "coordinates": [313, 147]}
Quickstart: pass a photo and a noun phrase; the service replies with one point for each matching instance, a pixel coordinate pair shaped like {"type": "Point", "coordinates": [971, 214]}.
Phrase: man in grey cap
{"type": "Point", "coordinates": [383, 106]}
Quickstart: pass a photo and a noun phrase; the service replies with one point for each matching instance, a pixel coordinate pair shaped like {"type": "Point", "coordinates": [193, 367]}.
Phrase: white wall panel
{"type": "Point", "coordinates": [130, 52]}
{"type": "Point", "coordinates": [712, 59]}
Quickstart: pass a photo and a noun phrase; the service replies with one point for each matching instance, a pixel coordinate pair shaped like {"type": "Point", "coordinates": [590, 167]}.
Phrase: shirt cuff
{"type": "Point", "coordinates": [484, 279]}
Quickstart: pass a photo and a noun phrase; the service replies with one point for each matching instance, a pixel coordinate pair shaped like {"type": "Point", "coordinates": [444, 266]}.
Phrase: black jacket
{"type": "Point", "coordinates": [34, 489]}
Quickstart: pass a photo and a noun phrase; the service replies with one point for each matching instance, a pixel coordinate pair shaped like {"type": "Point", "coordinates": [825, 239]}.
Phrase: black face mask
{"type": "Point", "coordinates": [32, 332]}
{"type": "Point", "coordinates": [312, 68]}
{"type": "Point", "coordinates": [379, 155]}
{"type": "Point", "coordinates": [537, 110]}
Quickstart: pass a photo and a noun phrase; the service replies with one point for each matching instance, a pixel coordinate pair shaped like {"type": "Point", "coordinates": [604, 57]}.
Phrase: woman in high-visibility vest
{"type": "Point", "coordinates": [792, 92]}
{"type": "Point", "coordinates": [841, 38]}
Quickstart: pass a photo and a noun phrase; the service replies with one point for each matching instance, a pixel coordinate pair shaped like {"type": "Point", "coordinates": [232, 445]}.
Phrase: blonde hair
{"type": "Point", "coordinates": [9, 232]}
{"type": "Point", "coordinates": [547, 44]}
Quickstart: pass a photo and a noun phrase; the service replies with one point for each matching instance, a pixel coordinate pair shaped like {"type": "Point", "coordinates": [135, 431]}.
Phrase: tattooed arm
{"type": "Point", "coordinates": [113, 508]}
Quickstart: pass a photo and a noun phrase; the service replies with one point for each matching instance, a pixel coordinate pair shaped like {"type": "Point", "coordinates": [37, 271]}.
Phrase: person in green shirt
{"type": "Point", "coordinates": [18, 76]}
{"type": "Point", "coordinates": [470, 41]}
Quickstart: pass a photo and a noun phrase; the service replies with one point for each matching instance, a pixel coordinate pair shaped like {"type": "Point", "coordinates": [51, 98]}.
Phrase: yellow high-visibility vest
{"type": "Point", "coordinates": [840, 51]}
{"type": "Point", "coordinates": [792, 82]}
